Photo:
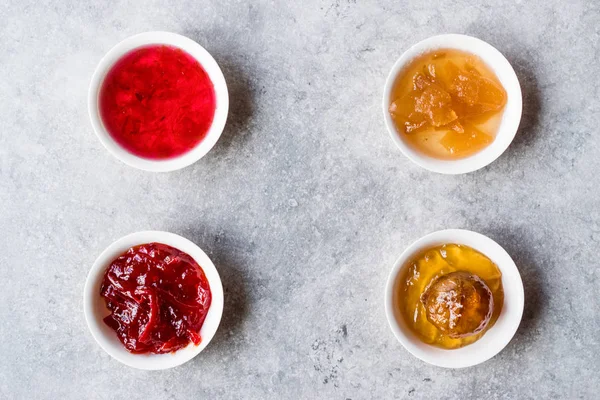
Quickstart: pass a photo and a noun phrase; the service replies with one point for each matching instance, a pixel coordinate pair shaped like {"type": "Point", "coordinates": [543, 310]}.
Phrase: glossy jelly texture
{"type": "Point", "coordinates": [157, 102]}
{"type": "Point", "coordinates": [158, 297]}
{"type": "Point", "coordinates": [443, 280]}
{"type": "Point", "coordinates": [459, 304]}
{"type": "Point", "coordinates": [447, 104]}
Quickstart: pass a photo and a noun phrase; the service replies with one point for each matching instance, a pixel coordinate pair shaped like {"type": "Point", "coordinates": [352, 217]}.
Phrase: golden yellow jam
{"type": "Point", "coordinates": [447, 104]}
{"type": "Point", "coordinates": [444, 295]}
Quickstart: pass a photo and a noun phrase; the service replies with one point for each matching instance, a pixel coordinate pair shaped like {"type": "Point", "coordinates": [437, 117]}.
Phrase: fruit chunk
{"type": "Point", "coordinates": [432, 101]}
{"type": "Point", "coordinates": [477, 94]}
{"type": "Point", "coordinates": [436, 104]}
{"type": "Point", "coordinates": [428, 104]}
{"type": "Point", "coordinates": [447, 104]}
{"type": "Point", "coordinates": [402, 111]}
{"type": "Point", "coordinates": [459, 304]}
{"type": "Point", "coordinates": [467, 142]}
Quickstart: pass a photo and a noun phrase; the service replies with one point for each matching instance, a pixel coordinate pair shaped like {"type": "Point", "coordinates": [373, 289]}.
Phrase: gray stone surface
{"type": "Point", "coordinates": [304, 204]}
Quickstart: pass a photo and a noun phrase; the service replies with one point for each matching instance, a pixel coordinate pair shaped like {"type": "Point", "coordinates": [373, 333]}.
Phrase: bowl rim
{"type": "Point", "coordinates": [496, 338]}
{"type": "Point", "coordinates": [208, 64]}
{"type": "Point", "coordinates": [95, 309]}
{"type": "Point", "coordinates": [511, 117]}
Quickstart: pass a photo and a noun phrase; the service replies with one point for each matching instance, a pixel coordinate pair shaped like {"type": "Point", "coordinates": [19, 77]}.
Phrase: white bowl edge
{"type": "Point", "coordinates": [510, 119]}
{"type": "Point", "coordinates": [496, 338]}
{"type": "Point", "coordinates": [210, 66]}
{"type": "Point", "coordinates": [95, 308]}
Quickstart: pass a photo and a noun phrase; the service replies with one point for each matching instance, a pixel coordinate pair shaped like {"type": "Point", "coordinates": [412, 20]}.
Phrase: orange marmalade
{"type": "Point", "coordinates": [447, 104]}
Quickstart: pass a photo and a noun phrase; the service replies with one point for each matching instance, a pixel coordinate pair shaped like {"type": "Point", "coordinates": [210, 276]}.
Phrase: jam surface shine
{"type": "Point", "coordinates": [158, 297]}
{"type": "Point", "coordinates": [447, 104]}
{"type": "Point", "coordinates": [450, 295]}
{"type": "Point", "coordinates": [458, 304]}
{"type": "Point", "coordinates": [157, 102]}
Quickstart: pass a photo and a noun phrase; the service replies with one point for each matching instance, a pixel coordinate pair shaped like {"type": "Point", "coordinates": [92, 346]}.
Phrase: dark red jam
{"type": "Point", "coordinates": [157, 102]}
{"type": "Point", "coordinates": [158, 297]}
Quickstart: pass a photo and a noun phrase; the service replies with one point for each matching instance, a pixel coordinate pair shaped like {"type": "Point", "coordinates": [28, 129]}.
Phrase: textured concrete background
{"type": "Point", "coordinates": [304, 204]}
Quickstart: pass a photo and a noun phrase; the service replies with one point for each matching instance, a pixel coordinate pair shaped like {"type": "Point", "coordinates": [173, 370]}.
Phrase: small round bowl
{"type": "Point", "coordinates": [95, 308]}
{"type": "Point", "coordinates": [495, 339]}
{"type": "Point", "coordinates": [210, 66]}
{"type": "Point", "coordinates": [510, 119]}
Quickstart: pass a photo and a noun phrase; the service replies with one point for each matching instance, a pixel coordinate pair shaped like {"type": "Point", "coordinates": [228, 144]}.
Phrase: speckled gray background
{"type": "Point", "coordinates": [305, 202]}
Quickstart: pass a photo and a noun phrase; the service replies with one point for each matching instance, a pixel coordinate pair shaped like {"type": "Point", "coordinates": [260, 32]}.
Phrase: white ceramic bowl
{"type": "Point", "coordinates": [495, 339]}
{"type": "Point", "coordinates": [210, 66]}
{"type": "Point", "coordinates": [510, 119]}
{"type": "Point", "coordinates": [95, 308]}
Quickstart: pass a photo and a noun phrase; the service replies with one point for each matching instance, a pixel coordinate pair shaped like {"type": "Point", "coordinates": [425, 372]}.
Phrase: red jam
{"type": "Point", "coordinates": [158, 297]}
{"type": "Point", "coordinates": [157, 102]}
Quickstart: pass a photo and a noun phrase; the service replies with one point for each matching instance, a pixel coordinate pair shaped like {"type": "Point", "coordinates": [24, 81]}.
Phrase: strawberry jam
{"type": "Point", "coordinates": [158, 297]}
{"type": "Point", "coordinates": [157, 102]}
